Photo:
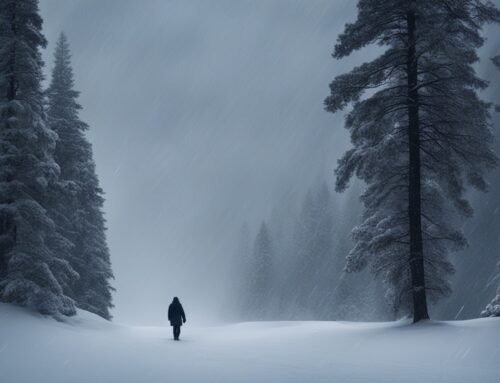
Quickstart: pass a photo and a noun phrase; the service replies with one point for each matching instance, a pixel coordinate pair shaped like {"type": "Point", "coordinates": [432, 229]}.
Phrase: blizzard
{"type": "Point", "coordinates": [87, 349]}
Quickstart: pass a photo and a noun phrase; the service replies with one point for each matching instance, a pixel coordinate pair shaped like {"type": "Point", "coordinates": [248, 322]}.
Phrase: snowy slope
{"type": "Point", "coordinates": [89, 350]}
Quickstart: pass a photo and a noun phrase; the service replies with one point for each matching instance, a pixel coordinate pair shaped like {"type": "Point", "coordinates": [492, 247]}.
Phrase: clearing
{"type": "Point", "coordinates": [87, 349]}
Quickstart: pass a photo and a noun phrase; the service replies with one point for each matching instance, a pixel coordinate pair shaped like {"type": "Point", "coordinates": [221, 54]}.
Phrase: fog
{"type": "Point", "coordinates": [203, 115]}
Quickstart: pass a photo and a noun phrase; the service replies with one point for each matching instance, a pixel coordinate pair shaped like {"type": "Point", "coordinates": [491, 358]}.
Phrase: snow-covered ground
{"type": "Point", "coordinates": [90, 350]}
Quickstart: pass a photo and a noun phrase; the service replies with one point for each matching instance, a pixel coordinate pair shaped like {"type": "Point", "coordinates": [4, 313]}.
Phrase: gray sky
{"type": "Point", "coordinates": [202, 114]}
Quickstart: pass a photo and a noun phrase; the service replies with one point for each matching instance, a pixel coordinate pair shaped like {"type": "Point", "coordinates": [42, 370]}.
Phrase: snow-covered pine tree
{"type": "Point", "coordinates": [421, 135]}
{"type": "Point", "coordinates": [313, 279]}
{"type": "Point", "coordinates": [30, 270]}
{"type": "Point", "coordinates": [493, 308]}
{"type": "Point", "coordinates": [260, 281]}
{"type": "Point", "coordinates": [77, 210]}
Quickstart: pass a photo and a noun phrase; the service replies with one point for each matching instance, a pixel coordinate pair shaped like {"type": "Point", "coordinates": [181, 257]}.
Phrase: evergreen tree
{"type": "Point", "coordinates": [420, 137]}
{"type": "Point", "coordinates": [309, 246]}
{"type": "Point", "coordinates": [261, 277]}
{"type": "Point", "coordinates": [356, 296]}
{"type": "Point", "coordinates": [77, 206]}
{"type": "Point", "coordinates": [493, 308]}
{"type": "Point", "coordinates": [314, 277]}
{"type": "Point", "coordinates": [30, 269]}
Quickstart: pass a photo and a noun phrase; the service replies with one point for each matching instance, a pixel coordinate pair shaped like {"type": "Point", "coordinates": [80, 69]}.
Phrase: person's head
{"type": "Point", "coordinates": [176, 300]}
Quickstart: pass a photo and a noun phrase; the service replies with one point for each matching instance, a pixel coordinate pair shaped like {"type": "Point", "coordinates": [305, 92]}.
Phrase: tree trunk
{"type": "Point", "coordinates": [414, 182]}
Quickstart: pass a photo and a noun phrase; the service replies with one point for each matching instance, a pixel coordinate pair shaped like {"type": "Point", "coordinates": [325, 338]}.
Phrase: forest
{"type": "Point", "coordinates": [316, 182]}
{"type": "Point", "coordinates": [53, 251]}
{"type": "Point", "coordinates": [422, 138]}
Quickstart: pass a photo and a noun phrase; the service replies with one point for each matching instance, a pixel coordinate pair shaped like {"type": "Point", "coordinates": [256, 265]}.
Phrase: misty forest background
{"type": "Point", "coordinates": [255, 250]}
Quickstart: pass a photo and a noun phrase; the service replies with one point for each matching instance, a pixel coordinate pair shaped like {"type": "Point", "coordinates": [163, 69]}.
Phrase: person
{"type": "Point", "coordinates": [176, 317]}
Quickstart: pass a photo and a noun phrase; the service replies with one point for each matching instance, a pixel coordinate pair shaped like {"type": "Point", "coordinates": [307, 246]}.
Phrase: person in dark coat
{"type": "Point", "coordinates": [176, 317]}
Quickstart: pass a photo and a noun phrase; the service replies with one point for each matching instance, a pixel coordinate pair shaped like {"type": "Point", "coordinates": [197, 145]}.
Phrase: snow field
{"type": "Point", "coordinates": [87, 349]}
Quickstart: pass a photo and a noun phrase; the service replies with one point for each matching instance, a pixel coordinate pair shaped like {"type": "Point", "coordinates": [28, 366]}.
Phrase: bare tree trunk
{"type": "Point", "coordinates": [414, 190]}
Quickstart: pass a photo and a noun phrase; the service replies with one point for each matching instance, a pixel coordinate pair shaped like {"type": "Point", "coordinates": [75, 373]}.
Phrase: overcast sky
{"type": "Point", "coordinates": [202, 114]}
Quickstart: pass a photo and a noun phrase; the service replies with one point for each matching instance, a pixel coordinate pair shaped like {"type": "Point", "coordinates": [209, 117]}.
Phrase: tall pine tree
{"type": "Point", "coordinates": [30, 270]}
{"type": "Point", "coordinates": [420, 137]}
{"type": "Point", "coordinates": [77, 207]}
{"type": "Point", "coordinates": [261, 275]}
{"type": "Point", "coordinates": [493, 308]}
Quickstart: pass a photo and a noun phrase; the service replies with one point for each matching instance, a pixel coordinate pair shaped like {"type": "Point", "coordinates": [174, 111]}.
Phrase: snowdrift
{"type": "Point", "coordinates": [87, 349]}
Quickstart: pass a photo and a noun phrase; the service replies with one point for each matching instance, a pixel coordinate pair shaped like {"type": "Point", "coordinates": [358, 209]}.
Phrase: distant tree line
{"type": "Point", "coordinates": [292, 266]}
{"type": "Point", "coordinates": [53, 251]}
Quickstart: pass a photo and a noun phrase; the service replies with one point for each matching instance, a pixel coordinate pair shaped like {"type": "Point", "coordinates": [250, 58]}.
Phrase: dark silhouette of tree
{"type": "Point", "coordinates": [77, 206]}
{"type": "Point", "coordinates": [33, 273]}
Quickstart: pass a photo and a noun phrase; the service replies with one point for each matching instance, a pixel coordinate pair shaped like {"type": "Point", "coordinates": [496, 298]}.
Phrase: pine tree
{"type": "Point", "coordinates": [420, 137]}
{"type": "Point", "coordinates": [493, 308]}
{"type": "Point", "coordinates": [313, 280]}
{"type": "Point", "coordinates": [30, 272]}
{"type": "Point", "coordinates": [260, 281]}
{"type": "Point", "coordinates": [77, 207]}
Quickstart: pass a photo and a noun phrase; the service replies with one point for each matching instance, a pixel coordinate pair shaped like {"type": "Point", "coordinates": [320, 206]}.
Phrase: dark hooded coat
{"type": "Point", "coordinates": [176, 314]}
